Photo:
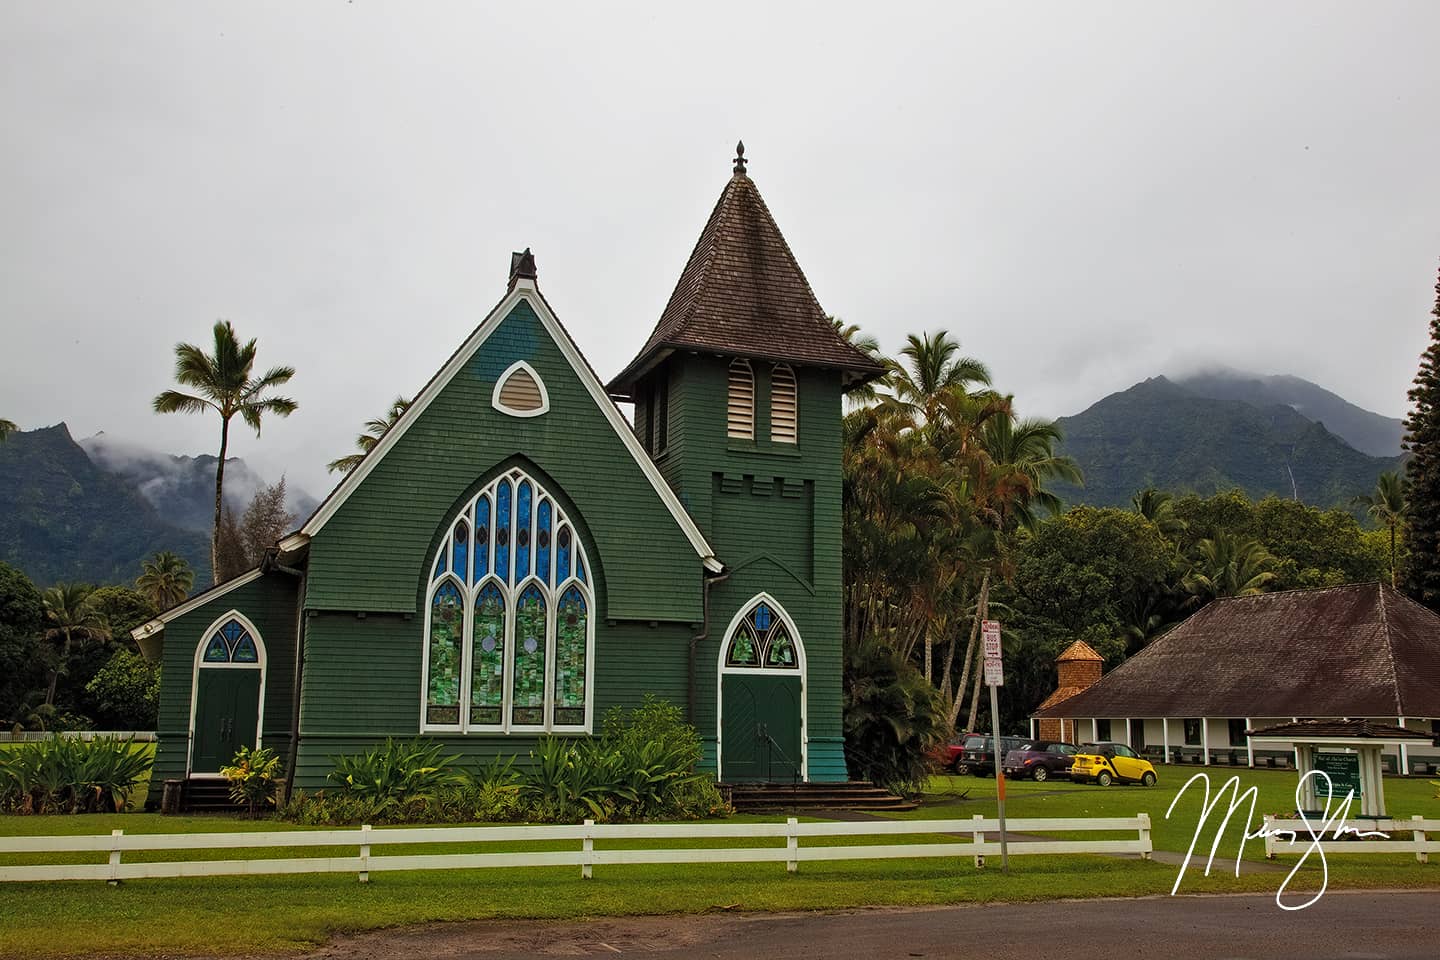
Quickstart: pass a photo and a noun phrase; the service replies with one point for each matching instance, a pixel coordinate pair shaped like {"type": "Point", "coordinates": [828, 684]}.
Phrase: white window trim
{"type": "Point", "coordinates": [200, 664]}
{"type": "Point", "coordinates": [794, 441]}
{"type": "Point", "coordinates": [803, 669]}
{"type": "Point", "coordinates": [500, 385]}
{"type": "Point", "coordinates": [736, 364]}
{"type": "Point", "coordinates": [559, 520]}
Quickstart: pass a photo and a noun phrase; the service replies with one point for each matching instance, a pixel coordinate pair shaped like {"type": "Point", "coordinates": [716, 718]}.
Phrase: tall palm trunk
{"type": "Point", "coordinates": [1392, 555]}
{"type": "Point", "coordinates": [219, 491]}
{"type": "Point", "coordinates": [55, 671]}
{"type": "Point", "coordinates": [981, 604]}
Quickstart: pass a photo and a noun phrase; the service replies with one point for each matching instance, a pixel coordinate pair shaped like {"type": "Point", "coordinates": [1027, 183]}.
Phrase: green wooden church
{"type": "Point", "coordinates": [514, 558]}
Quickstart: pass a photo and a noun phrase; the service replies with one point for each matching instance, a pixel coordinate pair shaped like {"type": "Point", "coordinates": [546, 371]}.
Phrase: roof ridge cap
{"type": "Point", "coordinates": [1281, 593]}
{"type": "Point", "coordinates": [1389, 647]}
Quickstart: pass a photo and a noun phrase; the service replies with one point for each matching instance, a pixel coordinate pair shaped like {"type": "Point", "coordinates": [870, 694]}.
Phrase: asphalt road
{"type": "Point", "coordinates": [1342, 926]}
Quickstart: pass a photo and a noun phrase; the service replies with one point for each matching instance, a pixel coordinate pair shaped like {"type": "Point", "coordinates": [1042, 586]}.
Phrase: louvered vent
{"type": "Point", "coordinates": [784, 406]}
{"type": "Point", "coordinates": [521, 393]}
{"type": "Point", "coordinates": [740, 411]}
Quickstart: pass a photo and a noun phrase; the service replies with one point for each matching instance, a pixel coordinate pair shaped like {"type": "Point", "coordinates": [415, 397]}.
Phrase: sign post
{"type": "Point", "coordinates": [995, 679]}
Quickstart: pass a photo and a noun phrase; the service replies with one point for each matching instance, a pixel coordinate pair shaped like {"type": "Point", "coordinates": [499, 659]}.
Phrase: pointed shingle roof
{"type": "Point", "coordinates": [1361, 650]}
{"type": "Point", "coordinates": [742, 293]}
{"type": "Point", "coordinates": [1079, 650]}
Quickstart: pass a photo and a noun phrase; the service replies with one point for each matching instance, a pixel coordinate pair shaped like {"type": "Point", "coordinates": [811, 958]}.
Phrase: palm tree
{"type": "Point", "coordinates": [1387, 506]}
{"type": "Point", "coordinates": [1159, 508]}
{"type": "Point", "coordinates": [7, 427]}
{"type": "Point", "coordinates": [70, 616]}
{"type": "Point", "coordinates": [374, 430]}
{"type": "Point", "coordinates": [223, 383]}
{"type": "Point", "coordinates": [166, 580]}
{"type": "Point", "coordinates": [933, 371]}
{"type": "Point", "coordinates": [1227, 566]}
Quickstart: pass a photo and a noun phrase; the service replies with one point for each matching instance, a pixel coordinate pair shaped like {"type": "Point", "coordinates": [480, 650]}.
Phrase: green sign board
{"type": "Point", "coordinates": [1343, 769]}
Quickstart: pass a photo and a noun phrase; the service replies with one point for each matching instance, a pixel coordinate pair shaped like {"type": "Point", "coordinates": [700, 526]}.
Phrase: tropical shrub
{"type": "Point", "coordinates": [893, 718]}
{"type": "Point", "coordinates": [125, 693]}
{"type": "Point", "coordinates": [396, 774]}
{"type": "Point", "coordinates": [62, 775]}
{"type": "Point", "coordinates": [254, 777]}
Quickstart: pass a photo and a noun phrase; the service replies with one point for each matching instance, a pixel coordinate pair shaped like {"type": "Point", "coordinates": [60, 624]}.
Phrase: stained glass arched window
{"type": "Point", "coordinates": [231, 642]}
{"type": "Point", "coordinates": [762, 640]}
{"type": "Point", "coordinates": [510, 621]}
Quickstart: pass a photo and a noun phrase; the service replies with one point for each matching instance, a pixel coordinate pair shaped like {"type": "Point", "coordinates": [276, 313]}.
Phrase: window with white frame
{"type": "Point", "coordinates": [784, 405]}
{"type": "Point", "coordinates": [740, 402]}
{"type": "Point", "coordinates": [510, 617]}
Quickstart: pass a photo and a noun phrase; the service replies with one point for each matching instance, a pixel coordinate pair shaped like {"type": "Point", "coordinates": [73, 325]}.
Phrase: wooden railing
{"type": "Point", "coordinates": [1420, 843]}
{"type": "Point", "coordinates": [975, 838]}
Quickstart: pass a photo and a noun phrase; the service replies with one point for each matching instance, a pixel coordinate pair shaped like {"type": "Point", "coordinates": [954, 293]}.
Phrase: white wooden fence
{"type": "Point", "coordinates": [979, 832]}
{"type": "Point", "coordinates": [1419, 828]}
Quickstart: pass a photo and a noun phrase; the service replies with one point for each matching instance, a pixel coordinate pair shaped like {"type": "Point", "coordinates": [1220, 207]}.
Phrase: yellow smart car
{"type": "Point", "coordinates": [1105, 763]}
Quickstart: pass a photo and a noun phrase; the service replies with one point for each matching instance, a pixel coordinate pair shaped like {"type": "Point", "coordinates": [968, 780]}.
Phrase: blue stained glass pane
{"type": "Point", "coordinates": [216, 651]}
{"type": "Point", "coordinates": [502, 529]}
{"type": "Point", "coordinates": [562, 554]}
{"type": "Point", "coordinates": [232, 631]}
{"type": "Point", "coordinates": [580, 568]}
{"type": "Point", "coordinates": [461, 539]}
{"type": "Point", "coordinates": [245, 651]}
{"type": "Point", "coordinates": [522, 530]}
{"type": "Point", "coordinates": [542, 541]}
{"type": "Point", "coordinates": [482, 538]}
{"type": "Point", "coordinates": [439, 564]}
{"type": "Point", "coordinates": [762, 618]}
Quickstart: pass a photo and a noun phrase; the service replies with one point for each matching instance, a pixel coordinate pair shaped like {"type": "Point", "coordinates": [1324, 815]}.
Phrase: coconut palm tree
{"type": "Point", "coordinates": [934, 369]}
{"type": "Point", "coordinates": [1386, 505]}
{"type": "Point", "coordinates": [868, 345]}
{"type": "Point", "coordinates": [1159, 508]}
{"type": "Point", "coordinates": [1228, 566]}
{"type": "Point", "coordinates": [223, 382]}
{"type": "Point", "coordinates": [374, 430]}
{"type": "Point", "coordinates": [166, 580]}
{"type": "Point", "coordinates": [7, 427]}
{"type": "Point", "coordinates": [70, 617]}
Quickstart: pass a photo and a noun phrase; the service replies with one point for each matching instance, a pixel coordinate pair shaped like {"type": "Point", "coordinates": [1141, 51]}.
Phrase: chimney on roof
{"type": "Point", "coordinates": [522, 265]}
{"type": "Point", "coordinates": [1079, 666]}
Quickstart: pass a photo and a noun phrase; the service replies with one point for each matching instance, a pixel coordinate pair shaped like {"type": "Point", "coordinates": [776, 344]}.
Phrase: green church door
{"type": "Point", "coordinates": [760, 729]}
{"type": "Point", "coordinates": [227, 709]}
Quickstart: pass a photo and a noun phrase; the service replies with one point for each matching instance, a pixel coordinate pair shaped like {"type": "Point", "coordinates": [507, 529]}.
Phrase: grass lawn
{"type": "Point", "coordinates": [284, 914]}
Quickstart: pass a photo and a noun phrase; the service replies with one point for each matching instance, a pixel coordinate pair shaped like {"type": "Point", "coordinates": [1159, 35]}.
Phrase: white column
{"type": "Point", "coordinates": [1165, 738]}
{"type": "Point", "coordinates": [1205, 740]}
{"type": "Point", "coordinates": [1249, 744]}
{"type": "Point", "coordinates": [1032, 728]}
{"type": "Point", "coordinates": [1404, 754]}
{"type": "Point", "coordinates": [1094, 730]}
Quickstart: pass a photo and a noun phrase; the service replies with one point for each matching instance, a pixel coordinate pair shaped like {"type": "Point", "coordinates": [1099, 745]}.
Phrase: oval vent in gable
{"type": "Point", "coordinates": [520, 392]}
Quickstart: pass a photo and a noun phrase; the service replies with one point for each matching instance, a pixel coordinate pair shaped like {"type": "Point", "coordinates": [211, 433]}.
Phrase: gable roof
{"type": "Point", "coordinates": [522, 288]}
{"type": "Point", "coordinates": [742, 293]}
{"type": "Point", "coordinates": [1079, 650]}
{"type": "Point", "coordinates": [1360, 650]}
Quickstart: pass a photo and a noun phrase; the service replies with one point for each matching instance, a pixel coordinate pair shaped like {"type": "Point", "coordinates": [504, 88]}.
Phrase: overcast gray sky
{"type": "Point", "coordinates": [1086, 193]}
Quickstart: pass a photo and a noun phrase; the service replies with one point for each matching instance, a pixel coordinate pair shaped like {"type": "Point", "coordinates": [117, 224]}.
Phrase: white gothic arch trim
{"type": "Point", "coordinates": [261, 664]}
{"type": "Point", "coordinates": [503, 380]}
{"type": "Point", "coordinates": [721, 670]}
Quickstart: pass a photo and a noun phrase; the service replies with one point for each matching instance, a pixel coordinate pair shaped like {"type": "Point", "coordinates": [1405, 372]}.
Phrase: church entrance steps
{"type": "Point", "coordinates": [207, 795]}
{"type": "Point", "coordinates": [854, 795]}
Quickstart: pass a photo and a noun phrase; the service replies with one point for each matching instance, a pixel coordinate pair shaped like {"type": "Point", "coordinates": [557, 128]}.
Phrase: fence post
{"type": "Point", "coordinates": [1421, 854]}
{"type": "Point", "coordinates": [587, 850]}
{"type": "Point", "coordinates": [365, 853]}
{"type": "Point", "coordinates": [115, 835]}
{"type": "Point", "coordinates": [979, 839]}
{"type": "Point", "coordinates": [792, 846]}
{"type": "Point", "coordinates": [1269, 828]}
{"type": "Point", "coordinates": [1146, 845]}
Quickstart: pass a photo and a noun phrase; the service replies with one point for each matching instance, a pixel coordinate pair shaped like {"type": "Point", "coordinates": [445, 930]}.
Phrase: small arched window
{"type": "Point", "coordinates": [762, 641]}
{"type": "Point", "coordinates": [740, 408]}
{"type": "Point", "coordinates": [520, 392]}
{"type": "Point", "coordinates": [784, 405]}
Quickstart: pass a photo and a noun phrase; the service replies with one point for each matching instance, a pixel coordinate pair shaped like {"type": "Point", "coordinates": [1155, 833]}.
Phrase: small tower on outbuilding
{"type": "Point", "coordinates": [1077, 668]}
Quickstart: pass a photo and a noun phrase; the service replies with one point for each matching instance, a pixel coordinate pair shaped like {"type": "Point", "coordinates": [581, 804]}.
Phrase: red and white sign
{"type": "Point", "coordinates": [994, 672]}
{"type": "Point", "coordinates": [990, 634]}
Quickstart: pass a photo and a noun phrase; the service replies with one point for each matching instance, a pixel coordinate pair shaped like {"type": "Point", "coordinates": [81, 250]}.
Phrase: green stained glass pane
{"type": "Point", "coordinates": [487, 672]}
{"type": "Point", "coordinates": [447, 628]}
{"type": "Point", "coordinates": [743, 652]}
{"type": "Point", "coordinates": [529, 693]}
{"type": "Point", "coordinates": [570, 636]}
{"type": "Point", "coordinates": [781, 652]}
{"type": "Point", "coordinates": [216, 651]}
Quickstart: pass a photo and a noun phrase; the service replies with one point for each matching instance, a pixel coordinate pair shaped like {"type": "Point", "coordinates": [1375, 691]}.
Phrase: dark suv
{"type": "Point", "coordinates": [978, 756]}
{"type": "Point", "coordinates": [1040, 760]}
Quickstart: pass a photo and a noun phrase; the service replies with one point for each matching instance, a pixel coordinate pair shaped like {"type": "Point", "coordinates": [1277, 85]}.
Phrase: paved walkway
{"type": "Point", "coordinates": [1398, 925]}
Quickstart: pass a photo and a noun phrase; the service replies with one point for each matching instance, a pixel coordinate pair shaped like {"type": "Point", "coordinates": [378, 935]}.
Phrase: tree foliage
{"type": "Point", "coordinates": [374, 431]}
{"type": "Point", "coordinates": [165, 580]}
{"type": "Point", "coordinates": [243, 541]}
{"type": "Point", "coordinates": [1422, 474]}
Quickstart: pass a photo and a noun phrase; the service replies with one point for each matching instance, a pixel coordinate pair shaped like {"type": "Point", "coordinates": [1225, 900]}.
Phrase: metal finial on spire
{"type": "Point", "coordinates": [740, 157]}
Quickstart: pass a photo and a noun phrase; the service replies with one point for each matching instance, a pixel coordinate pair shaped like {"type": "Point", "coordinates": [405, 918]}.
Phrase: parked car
{"type": "Point", "coordinates": [949, 756]}
{"type": "Point", "coordinates": [1106, 763]}
{"type": "Point", "coordinates": [979, 754]}
{"type": "Point", "coordinates": [1039, 760]}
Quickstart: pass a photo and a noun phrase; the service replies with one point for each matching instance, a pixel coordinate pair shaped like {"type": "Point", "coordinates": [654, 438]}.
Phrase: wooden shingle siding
{"type": "Point", "coordinates": [374, 552]}
{"type": "Point", "coordinates": [269, 603]}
